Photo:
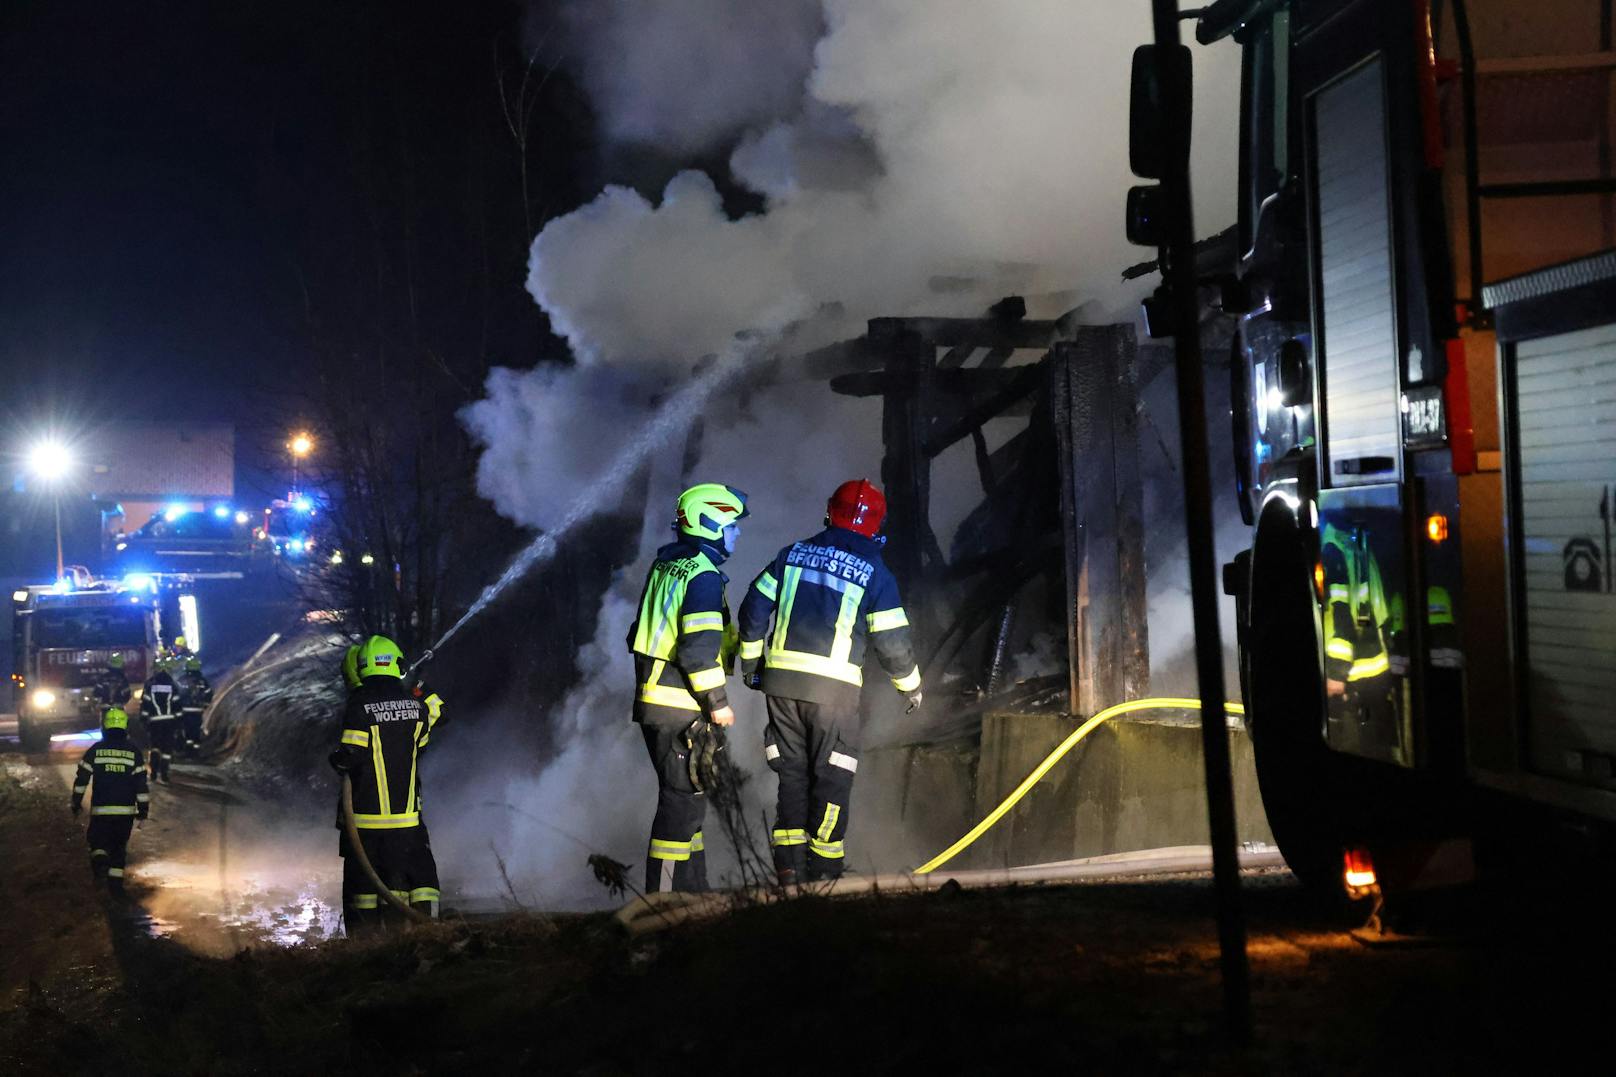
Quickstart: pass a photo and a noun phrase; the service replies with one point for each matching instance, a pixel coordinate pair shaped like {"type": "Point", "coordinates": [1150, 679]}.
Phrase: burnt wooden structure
{"type": "Point", "coordinates": [1054, 547]}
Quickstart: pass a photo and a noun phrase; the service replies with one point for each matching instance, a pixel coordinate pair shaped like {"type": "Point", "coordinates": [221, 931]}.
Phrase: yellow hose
{"type": "Point", "coordinates": [1156, 703]}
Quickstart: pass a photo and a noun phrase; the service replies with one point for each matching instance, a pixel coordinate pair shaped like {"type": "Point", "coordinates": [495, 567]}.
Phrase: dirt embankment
{"type": "Point", "coordinates": [1113, 978]}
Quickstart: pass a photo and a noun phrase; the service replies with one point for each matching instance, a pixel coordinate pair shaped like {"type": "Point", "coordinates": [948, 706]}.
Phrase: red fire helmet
{"type": "Point", "coordinates": [858, 506]}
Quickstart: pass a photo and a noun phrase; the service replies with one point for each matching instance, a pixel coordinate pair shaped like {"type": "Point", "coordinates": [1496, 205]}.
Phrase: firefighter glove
{"type": "Point", "coordinates": [914, 699]}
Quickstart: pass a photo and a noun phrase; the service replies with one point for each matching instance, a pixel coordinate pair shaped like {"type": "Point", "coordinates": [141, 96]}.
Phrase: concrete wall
{"type": "Point", "coordinates": [1131, 784]}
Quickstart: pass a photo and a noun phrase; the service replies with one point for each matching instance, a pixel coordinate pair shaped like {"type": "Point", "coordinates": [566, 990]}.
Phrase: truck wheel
{"type": "Point", "coordinates": [32, 737]}
{"type": "Point", "coordinates": [1300, 778]}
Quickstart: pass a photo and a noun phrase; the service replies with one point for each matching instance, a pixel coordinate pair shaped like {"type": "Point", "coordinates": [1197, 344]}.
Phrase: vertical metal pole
{"type": "Point", "coordinates": [1178, 273]}
{"type": "Point", "coordinates": [56, 498]}
{"type": "Point", "coordinates": [1467, 86]}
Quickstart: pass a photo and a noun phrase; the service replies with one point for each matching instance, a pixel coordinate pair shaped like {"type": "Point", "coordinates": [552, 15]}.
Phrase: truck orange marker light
{"type": "Point", "coordinates": [1436, 527]}
{"type": "Point", "coordinates": [1359, 873]}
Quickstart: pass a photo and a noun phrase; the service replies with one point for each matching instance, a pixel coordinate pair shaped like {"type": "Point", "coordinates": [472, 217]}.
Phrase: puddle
{"type": "Point", "coordinates": [190, 904]}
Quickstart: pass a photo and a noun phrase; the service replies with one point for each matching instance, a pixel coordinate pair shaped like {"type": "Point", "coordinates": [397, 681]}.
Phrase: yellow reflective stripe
{"type": "Point", "coordinates": [1339, 648]}
{"type": "Point", "coordinates": [114, 809]}
{"type": "Point", "coordinates": [782, 616]}
{"type": "Point", "coordinates": [705, 680]}
{"type": "Point", "coordinates": [1337, 592]}
{"type": "Point", "coordinates": [663, 696]}
{"type": "Point", "coordinates": [842, 646]}
{"type": "Point", "coordinates": [424, 893]}
{"type": "Point", "coordinates": [434, 708]}
{"type": "Point", "coordinates": [827, 825]}
{"type": "Point", "coordinates": [142, 798]}
{"type": "Point", "coordinates": [388, 821]}
{"type": "Point", "coordinates": [751, 648]}
{"type": "Point", "coordinates": [909, 681]}
{"type": "Point", "coordinates": [415, 761]}
{"type": "Point", "coordinates": [384, 797]}
{"type": "Point", "coordinates": [767, 585]}
{"type": "Point", "coordinates": [115, 873]}
{"type": "Point", "coordinates": [670, 850]}
{"type": "Point", "coordinates": [1369, 667]}
{"type": "Point", "coordinates": [887, 620]}
{"type": "Point", "coordinates": [365, 901]}
{"type": "Point", "coordinates": [830, 850]}
{"type": "Point", "coordinates": [788, 837]}
{"type": "Point", "coordinates": [802, 662]}
{"type": "Point", "coordinates": [359, 738]}
{"type": "Point", "coordinates": [698, 843]}
{"type": "Point", "coordinates": [702, 622]}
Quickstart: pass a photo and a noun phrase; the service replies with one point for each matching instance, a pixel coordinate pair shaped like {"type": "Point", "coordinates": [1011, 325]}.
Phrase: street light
{"type": "Point", "coordinates": [300, 446]}
{"type": "Point", "coordinates": [50, 460]}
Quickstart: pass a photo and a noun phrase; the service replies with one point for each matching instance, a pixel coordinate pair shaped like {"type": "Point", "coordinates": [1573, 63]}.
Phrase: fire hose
{"type": "Point", "coordinates": [1077, 735]}
{"type": "Point", "coordinates": [358, 849]}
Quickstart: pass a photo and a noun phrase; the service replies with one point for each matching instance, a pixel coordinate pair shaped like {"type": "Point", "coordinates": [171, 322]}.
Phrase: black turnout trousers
{"type": "Point", "coordinates": [813, 747]}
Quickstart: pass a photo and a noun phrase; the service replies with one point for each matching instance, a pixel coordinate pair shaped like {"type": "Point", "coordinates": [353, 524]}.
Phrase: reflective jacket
{"type": "Point", "coordinates": [678, 637]}
{"type": "Point", "coordinates": [1356, 613]}
{"type": "Point", "coordinates": [119, 772]}
{"type": "Point", "coordinates": [195, 691]}
{"type": "Point", "coordinates": [829, 595]}
{"type": "Point", "coordinates": [384, 728]}
{"type": "Point", "coordinates": [159, 700]}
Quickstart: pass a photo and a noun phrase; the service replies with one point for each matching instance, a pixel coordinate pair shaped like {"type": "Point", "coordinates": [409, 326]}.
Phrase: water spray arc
{"type": "Point", "coordinates": [672, 417]}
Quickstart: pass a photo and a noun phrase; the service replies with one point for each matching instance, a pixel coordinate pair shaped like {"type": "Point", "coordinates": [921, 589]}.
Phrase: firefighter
{"type": "Point", "coordinates": [112, 687]}
{"type": "Point", "coordinates": [677, 640]}
{"type": "Point", "coordinates": [160, 710]}
{"type": "Point", "coordinates": [383, 730]}
{"type": "Point", "coordinates": [828, 596]}
{"type": "Point", "coordinates": [119, 802]}
{"type": "Point", "coordinates": [1358, 624]}
{"type": "Point", "coordinates": [195, 695]}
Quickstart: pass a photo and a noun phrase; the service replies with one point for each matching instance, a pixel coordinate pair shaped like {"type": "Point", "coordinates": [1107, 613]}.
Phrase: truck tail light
{"type": "Point", "coordinates": [1436, 527]}
{"type": "Point", "coordinates": [1359, 873]}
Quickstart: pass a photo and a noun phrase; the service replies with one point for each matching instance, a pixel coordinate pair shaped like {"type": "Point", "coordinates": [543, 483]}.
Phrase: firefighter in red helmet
{"type": "Point", "coordinates": [828, 597]}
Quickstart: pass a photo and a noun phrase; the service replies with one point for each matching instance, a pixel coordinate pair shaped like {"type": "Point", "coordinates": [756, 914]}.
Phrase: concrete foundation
{"type": "Point", "coordinates": [1131, 784]}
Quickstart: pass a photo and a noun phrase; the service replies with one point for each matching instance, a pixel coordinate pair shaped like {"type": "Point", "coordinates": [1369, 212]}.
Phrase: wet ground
{"type": "Point", "coordinates": [217, 868]}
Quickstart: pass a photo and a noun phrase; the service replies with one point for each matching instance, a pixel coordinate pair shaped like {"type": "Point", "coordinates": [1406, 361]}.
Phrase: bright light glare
{"type": "Point", "coordinates": [301, 445]}
{"type": "Point", "coordinates": [242, 517]}
{"type": "Point", "coordinates": [50, 460]}
{"type": "Point", "coordinates": [62, 586]}
{"type": "Point", "coordinates": [303, 504]}
{"type": "Point", "coordinates": [173, 512]}
{"type": "Point", "coordinates": [221, 511]}
{"type": "Point", "coordinates": [367, 560]}
{"type": "Point", "coordinates": [88, 734]}
{"type": "Point", "coordinates": [296, 545]}
{"type": "Point", "coordinates": [44, 699]}
{"type": "Point", "coordinates": [19, 596]}
{"type": "Point", "coordinates": [191, 624]}
{"type": "Point", "coordinates": [336, 557]}
{"type": "Point", "coordinates": [139, 581]}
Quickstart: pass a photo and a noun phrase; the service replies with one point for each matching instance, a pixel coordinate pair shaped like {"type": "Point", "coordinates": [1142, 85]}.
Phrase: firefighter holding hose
{"type": "Point", "coordinates": [828, 597]}
{"type": "Point", "coordinates": [384, 729]}
{"type": "Point", "coordinates": [677, 641]}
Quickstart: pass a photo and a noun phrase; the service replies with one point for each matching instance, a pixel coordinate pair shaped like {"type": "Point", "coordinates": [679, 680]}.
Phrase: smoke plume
{"type": "Point", "coordinates": [914, 157]}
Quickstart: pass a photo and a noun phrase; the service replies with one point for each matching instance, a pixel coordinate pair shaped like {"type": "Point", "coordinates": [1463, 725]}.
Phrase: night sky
{"type": "Point", "coordinates": [188, 187]}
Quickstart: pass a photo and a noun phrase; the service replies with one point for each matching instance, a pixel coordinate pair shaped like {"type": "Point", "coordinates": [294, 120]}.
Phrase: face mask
{"type": "Point", "coordinates": [732, 533]}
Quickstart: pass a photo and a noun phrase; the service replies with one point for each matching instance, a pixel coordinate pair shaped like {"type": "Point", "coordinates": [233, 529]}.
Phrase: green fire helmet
{"type": "Point", "coordinates": [193, 664]}
{"type": "Point", "coordinates": [115, 660]}
{"type": "Point", "coordinates": [179, 643]}
{"type": "Point", "coordinates": [379, 657]}
{"type": "Point", "coordinates": [705, 510]}
{"type": "Point", "coordinates": [115, 718]}
{"type": "Point", "coordinates": [350, 666]}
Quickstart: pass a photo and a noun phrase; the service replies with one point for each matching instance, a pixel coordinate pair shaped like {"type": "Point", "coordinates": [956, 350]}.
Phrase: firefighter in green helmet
{"type": "Point", "coordinates": [118, 803]}
{"type": "Point", "coordinates": [384, 729]}
{"type": "Point", "coordinates": [678, 642]}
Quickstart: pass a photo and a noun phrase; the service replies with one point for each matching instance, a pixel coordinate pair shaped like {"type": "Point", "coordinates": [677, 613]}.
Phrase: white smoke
{"type": "Point", "coordinates": [916, 157]}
